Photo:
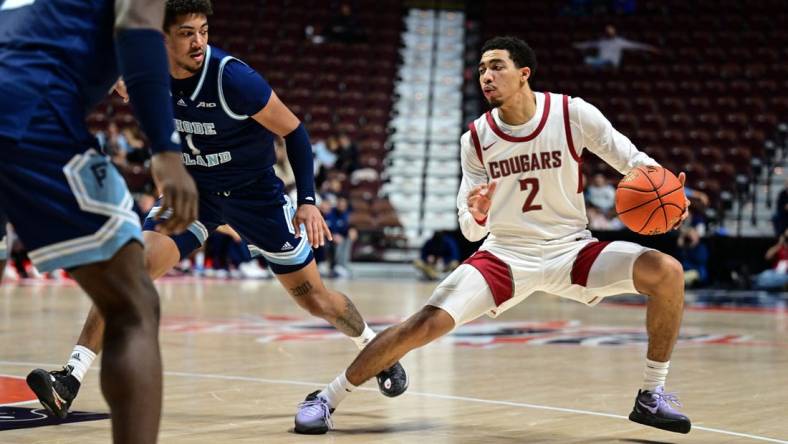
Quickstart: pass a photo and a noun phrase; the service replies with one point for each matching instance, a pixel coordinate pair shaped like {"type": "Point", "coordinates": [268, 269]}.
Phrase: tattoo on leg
{"type": "Point", "coordinates": [349, 321]}
{"type": "Point", "coordinates": [301, 290]}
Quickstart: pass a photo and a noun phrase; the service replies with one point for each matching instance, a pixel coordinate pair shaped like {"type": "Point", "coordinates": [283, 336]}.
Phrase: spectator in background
{"type": "Point", "coordinates": [138, 147]}
{"type": "Point", "coordinates": [227, 252]}
{"type": "Point", "coordinates": [113, 143]}
{"type": "Point", "coordinates": [610, 48]}
{"type": "Point", "coordinates": [693, 253]}
{"type": "Point", "coordinates": [344, 27]}
{"type": "Point", "coordinates": [440, 249]}
{"type": "Point", "coordinates": [347, 155]}
{"type": "Point", "coordinates": [775, 278]}
{"type": "Point", "coordinates": [325, 158]}
{"type": "Point", "coordinates": [698, 198]}
{"type": "Point", "coordinates": [331, 190]}
{"type": "Point", "coordinates": [338, 221]}
{"type": "Point", "coordinates": [780, 219]}
{"type": "Point", "coordinates": [601, 194]}
{"type": "Point", "coordinates": [599, 221]}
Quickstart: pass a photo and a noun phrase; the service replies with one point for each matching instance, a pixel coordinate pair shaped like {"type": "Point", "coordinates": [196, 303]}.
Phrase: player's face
{"type": "Point", "coordinates": [187, 40]}
{"type": "Point", "coordinates": [499, 77]}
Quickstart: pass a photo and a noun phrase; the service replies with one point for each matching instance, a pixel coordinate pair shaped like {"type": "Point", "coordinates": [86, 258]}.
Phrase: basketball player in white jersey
{"type": "Point", "coordinates": [521, 183]}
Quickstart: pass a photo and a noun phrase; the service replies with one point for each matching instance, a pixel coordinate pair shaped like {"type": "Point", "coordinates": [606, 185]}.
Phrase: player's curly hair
{"type": "Point", "coordinates": [175, 8]}
{"type": "Point", "coordinates": [522, 55]}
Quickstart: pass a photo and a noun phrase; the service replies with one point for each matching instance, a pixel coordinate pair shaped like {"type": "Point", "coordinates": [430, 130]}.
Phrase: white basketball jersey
{"type": "Point", "coordinates": [539, 193]}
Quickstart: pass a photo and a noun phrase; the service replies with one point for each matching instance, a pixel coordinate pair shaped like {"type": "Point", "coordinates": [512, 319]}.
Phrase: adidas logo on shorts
{"type": "Point", "coordinates": [287, 246]}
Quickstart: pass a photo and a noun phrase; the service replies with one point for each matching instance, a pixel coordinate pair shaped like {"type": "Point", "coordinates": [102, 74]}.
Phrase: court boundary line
{"type": "Point", "coordinates": [408, 393]}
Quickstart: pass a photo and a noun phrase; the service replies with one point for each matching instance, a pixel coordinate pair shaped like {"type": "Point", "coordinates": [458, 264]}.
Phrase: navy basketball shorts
{"type": "Point", "coordinates": [265, 225]}
{"type": "Point", "coordinates": [68, 204]}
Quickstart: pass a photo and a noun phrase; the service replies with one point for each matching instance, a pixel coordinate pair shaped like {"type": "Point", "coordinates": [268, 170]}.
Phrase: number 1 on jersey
{"type": "Point", "coordinates": [533, 184]}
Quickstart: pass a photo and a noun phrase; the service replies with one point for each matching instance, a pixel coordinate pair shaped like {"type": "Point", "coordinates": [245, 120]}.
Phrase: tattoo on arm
{"type": "Point", "coordinates": [301, 290]}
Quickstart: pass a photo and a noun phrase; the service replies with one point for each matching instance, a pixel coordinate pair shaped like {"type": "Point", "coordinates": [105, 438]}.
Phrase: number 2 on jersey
{"type": "Point", "coordinates": [531, 183]}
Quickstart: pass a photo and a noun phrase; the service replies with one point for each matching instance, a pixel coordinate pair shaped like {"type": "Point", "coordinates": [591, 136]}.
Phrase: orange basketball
{"type": "Point", "coordinates": [650, 200]}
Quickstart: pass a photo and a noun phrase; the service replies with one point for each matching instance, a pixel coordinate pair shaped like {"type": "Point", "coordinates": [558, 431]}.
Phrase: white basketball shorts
{"type": "Point", "coordinates": [499, 276]}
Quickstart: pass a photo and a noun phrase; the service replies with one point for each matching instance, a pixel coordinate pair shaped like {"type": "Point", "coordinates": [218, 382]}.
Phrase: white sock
{"type": "Point", "coordinates": [655, 374]}
{"type": "Point", "coordinates": [81, 360]}
{"type": "Point", "coordinates": [335, 392]}
{"type": "Point", "coordinates": [366, 336]}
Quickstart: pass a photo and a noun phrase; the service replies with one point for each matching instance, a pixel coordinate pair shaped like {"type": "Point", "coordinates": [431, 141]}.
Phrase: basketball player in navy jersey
{"type": "Point", "coordinates": [228, 117]}
{"type": "Point", "coordinates": [537, 237]}
{"type": "Point", "coordinates": [67, 203]}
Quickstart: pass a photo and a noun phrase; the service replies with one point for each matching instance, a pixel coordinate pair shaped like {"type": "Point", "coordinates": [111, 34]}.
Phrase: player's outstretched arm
{"type": "Point", "coordinates": [142, 60]}
{"type": "Point", "coordinates": [591, 129]}
{"type": "Point", "coordinates": [281, 121]}
{"type": "Point", "coordinates": [248, 94]}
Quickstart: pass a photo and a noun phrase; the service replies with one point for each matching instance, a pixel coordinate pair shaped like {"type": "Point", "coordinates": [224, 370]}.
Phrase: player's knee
{"type": "Point", "coordinates": [669, 269]}
{"type": "Point", "coordinates": [429, 324]}
{"type": "Point", "coordinates": [317, 303]}
{"type": "Point", "coordinates": [656, 271]}
{"type": "Point", "coordinates": [317, 308]}
{"type": "Point", "coordinates": [134, 306]}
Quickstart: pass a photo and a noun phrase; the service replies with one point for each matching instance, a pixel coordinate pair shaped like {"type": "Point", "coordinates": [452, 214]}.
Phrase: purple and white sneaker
{"type": "Point", "coordinates": [654, 409]}
{"type": "Point", "coordinates": [313, 416]}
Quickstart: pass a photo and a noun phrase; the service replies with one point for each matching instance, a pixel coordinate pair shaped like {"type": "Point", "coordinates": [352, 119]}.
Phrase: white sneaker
{"type": "Point", "coordinates": [34, 273]}
{"type": "Point", "coordinates": [222, 273]}
{"type": "Point", "coordinates": [342, 271]}
{"type": "Point", "coordinates": [10, 273]}
{"type": "Point", "coordinates": [253, 270]}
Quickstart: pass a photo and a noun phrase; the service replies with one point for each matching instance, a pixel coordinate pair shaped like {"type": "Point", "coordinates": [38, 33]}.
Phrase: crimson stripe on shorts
{"type": "Point", "coordinates": [496, 273]}
{"type": "Point", "coordinates": [584, 260]}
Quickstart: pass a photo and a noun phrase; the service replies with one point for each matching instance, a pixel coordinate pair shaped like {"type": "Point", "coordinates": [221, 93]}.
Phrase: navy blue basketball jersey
{"type": "Point", "coordinates": [223, 147]}
{"type": "Point", "coordinates": [55, 53]}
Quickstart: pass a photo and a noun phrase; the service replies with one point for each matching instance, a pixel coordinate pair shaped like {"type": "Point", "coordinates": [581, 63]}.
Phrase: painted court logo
{"type": "Point", "coordinates": [482, 334]}
{"type": "Point", "coordinates": [14, 392]}
{"type": "Point", "coordinates": [26, 418]}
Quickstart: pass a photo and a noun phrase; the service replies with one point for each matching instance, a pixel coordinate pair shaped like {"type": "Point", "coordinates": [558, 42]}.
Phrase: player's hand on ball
{"type": "Point", "coordinates": [683, 177]}
{"type": "Point", "coordinates": [480, 200]}
{"type": "Point", "coordinates": [316, 229]}
{"type": "Point", "coordinates": [179, 193]}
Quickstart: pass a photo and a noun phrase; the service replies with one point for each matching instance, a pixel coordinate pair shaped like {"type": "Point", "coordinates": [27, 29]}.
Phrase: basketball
{"type": "Point", "coordinates": [650, 200]}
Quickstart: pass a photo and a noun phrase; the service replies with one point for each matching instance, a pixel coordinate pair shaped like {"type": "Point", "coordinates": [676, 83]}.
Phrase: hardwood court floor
{"type": "Point", "coordinates": [240, 355]}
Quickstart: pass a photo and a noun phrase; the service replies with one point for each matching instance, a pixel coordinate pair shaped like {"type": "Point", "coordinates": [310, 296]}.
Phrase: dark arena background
{"type": "Point", "coordinates": [386, 88]}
